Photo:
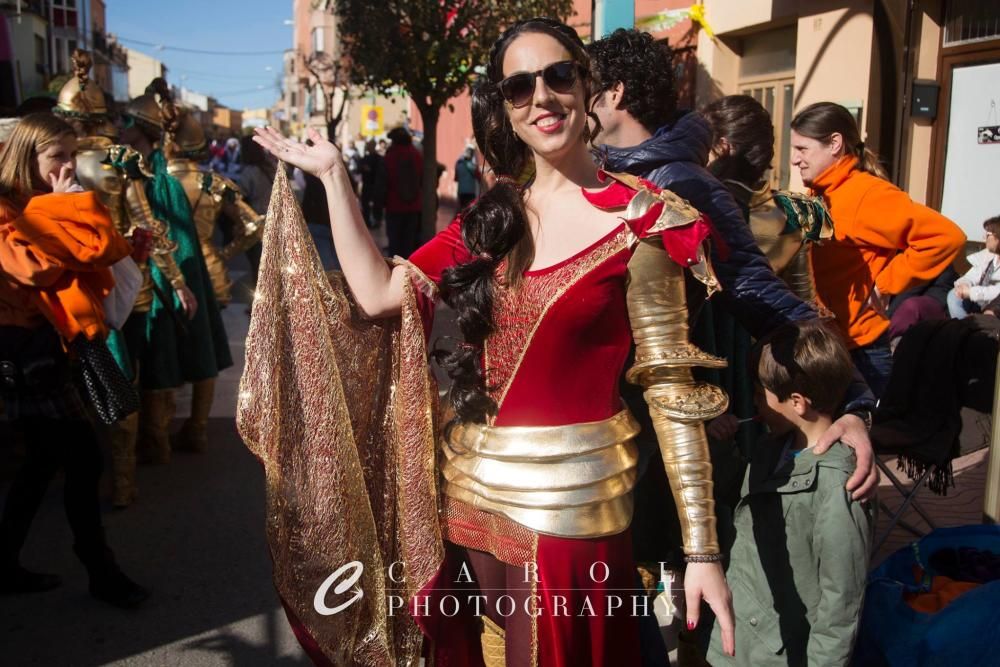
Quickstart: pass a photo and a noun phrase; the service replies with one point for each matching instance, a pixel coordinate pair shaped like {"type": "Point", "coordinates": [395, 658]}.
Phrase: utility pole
{"type": "Point", "coordinates": [609, 15]}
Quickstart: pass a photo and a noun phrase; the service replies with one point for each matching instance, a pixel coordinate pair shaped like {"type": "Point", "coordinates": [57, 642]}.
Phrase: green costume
{"type": "Point", "coordinates": [180, 350]}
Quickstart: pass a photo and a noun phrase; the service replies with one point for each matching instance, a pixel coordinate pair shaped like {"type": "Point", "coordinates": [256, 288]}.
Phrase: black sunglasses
{"type": "Point", "coordinates": [518, 89]}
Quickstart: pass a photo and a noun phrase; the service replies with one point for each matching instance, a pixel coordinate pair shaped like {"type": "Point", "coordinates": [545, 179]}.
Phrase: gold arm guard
{"type": "Point", "coordinates": [140, 215]}
{"type": "Point", "coordinates": [250, 227]}
{"type": "Point", "coordinates": [798, 276]}
{"type": "Point", "coordinates": [249, 231]}
{"type": "Point", "coordinates": [678, 405]}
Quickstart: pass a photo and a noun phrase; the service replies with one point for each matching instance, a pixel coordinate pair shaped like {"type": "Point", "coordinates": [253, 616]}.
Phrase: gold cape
{"type": "Point", "coordinates": [340, 411]}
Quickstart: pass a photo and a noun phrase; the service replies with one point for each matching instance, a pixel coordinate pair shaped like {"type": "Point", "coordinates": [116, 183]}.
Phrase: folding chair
{"type": "Point", "coordinates": [909, 499]}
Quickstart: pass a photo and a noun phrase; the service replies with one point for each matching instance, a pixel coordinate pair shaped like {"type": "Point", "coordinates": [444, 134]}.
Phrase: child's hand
{"type": "Point", "coordinates": [65, 181]}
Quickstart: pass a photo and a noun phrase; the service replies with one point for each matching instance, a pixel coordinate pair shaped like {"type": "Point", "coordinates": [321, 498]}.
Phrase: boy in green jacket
{"type": "Point", "coordinates": [800, 557]}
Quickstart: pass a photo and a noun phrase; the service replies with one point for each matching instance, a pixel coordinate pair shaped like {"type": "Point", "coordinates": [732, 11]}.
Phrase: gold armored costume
{"type": "Point", "coordinates": [783, 224]}
{"type": "Point", "coordinates": [117, 174]}
{"type": "Point", "coordinates": [212, 195]}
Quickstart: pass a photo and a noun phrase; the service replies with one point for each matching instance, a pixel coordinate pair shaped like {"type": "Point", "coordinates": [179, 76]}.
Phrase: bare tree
{"type": "Point", "coordinates": [331, 76]}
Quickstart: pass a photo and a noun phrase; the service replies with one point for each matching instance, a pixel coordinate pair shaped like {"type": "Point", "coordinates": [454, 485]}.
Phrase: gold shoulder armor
{"type": "Point", "coordinates": [807, 213]}
{"type": "Point", "coordinates": [129, 161]}
{"type": "Point", "coordinates": [677, 212]}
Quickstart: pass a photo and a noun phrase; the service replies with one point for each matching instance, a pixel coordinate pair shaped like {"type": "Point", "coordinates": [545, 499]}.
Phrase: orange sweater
{"type": "Point", "coordinates": [54, 259]}
{"type": "Point", "coordinates": [881, 238]}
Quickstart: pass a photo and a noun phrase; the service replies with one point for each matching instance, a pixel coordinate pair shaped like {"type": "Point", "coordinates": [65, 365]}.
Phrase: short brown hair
{"type": "Point", "coordinates": [992, 225]}
{"type": "Point", "coordinates": [807, 358]}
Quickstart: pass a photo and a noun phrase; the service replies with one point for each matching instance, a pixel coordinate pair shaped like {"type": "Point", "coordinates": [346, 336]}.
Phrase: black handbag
{"type": "Point", "coordinates": [98, 375]}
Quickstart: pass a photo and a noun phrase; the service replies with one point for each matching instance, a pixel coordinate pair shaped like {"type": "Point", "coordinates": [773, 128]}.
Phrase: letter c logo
{"type": "Point", "coordinates": [319, 601]}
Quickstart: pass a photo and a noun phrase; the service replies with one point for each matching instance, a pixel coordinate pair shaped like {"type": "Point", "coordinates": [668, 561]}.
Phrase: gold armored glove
{"type": "Point", "coordinates": [679, 406]}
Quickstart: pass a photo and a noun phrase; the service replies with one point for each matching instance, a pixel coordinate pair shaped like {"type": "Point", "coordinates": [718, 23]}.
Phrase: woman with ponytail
{"type": "Point", "coordinates": [884, 243]}
{"type": "Point", "coordinates": [523, 499]}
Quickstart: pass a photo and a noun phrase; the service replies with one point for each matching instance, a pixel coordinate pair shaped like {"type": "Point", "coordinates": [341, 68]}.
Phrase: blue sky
{"type": "Point", "coordinates": [216, 25]}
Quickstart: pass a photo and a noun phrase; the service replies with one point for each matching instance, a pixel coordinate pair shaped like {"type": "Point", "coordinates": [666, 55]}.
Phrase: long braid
{"type": "Point", "coordinates": [494, 228]}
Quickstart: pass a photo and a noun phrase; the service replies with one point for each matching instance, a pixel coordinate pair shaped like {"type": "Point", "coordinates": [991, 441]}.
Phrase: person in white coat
{"type": "Point", "coordinates": [981, 283]}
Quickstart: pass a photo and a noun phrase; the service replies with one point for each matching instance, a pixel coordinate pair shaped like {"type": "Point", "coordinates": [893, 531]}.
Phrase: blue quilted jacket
{"type": "Point", "coordinates": [674, 158]}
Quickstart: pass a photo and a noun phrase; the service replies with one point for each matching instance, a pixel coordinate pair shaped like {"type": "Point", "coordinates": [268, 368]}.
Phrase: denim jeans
{"type": "Point", "coordinates": [958, 307]}
{"type": "Point", "coordinates": [874, 361]}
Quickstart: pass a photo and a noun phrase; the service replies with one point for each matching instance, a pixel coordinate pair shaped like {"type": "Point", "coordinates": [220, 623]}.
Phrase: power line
{"type": "Point", "coordinates": [193, 74]}
{"type": "Point", "coordinates": [164, 47]}
{"type": "Point", "coordinates": [247, 91]}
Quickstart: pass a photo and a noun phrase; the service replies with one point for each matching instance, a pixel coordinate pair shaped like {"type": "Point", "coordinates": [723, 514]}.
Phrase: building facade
{"type": "Point", "coordinates": [921, 77]}
{"type": "Point", "coordinates": [306, 98]}
{"type": "Point", "coordinates": [37, 40]}
{"type": "Point", "coordinates": [142, 69]}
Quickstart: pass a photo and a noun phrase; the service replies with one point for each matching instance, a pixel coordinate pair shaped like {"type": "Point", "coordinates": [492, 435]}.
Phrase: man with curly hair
{"type": "Point", "coordinates": [643, 133]}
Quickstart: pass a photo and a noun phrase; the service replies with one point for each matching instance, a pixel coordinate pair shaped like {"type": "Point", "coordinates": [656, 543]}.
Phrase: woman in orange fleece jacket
{"type": "Point", "coordinates": [884, 243]}
{"type": "Point", "coordinates": [55, 250]}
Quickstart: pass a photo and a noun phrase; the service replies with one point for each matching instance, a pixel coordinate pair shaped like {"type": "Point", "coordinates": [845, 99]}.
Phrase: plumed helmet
{"type": "Point", "coordinates": [146, 107]}
{"type": "Point", "coordinates": [80, 97]}
{"type": "Point", "coordinates": [189, 136]}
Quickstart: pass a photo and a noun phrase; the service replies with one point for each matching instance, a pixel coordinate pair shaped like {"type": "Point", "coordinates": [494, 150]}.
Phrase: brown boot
{"type": "Point", "coordinates": [123, 438]}
{"type": "Point", "coordinates": [154, 419]}
{"type": "Point", "coordinates": [193, 436]}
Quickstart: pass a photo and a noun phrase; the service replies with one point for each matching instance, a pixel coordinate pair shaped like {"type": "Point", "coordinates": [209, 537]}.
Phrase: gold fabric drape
{"type": "Point", "coordinates": [339, 410]}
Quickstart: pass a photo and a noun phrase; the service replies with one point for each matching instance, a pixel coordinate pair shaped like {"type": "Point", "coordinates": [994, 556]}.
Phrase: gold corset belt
{"type": "Point", "coordinates": [568, 481]}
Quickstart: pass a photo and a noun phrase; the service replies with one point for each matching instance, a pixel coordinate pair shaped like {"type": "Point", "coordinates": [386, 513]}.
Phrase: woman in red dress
{"type": "Point", "coordinates": [526, 497]}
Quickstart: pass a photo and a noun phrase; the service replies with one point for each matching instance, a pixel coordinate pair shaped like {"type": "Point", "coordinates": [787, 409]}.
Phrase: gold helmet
{"type": "Point", "coordinates": [146, 107]}
{"type": "Point", "coordinates": [189, 137]}
{"type": "Point", "coordinates": [80, 97]}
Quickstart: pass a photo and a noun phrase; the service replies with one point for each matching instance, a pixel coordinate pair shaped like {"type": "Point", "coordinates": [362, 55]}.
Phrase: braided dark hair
{"type": "Point", "coordinates": [746, 126]}
{"type": "Point", "coordinates": [495, 227]}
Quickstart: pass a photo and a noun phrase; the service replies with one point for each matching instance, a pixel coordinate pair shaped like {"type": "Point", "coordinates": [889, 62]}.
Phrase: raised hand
{"type": "Point", "coordinates": [65, 181]}
{"type": "Point", "coordinates": [320, 159]}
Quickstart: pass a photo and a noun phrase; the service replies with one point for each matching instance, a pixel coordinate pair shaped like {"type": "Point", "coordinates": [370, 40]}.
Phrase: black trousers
{"type": "Point", "coordinates": [52, 444]}
{"type": "Point", "coordinates": [403, 230]}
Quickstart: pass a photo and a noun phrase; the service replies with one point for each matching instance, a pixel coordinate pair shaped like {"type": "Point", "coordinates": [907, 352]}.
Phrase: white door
{"type": "Point", "coordinates": [972, 162]}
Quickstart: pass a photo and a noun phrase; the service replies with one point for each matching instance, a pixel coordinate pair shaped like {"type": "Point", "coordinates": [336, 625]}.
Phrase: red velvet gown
{"type": "Point", "coordinates": [555, 358]}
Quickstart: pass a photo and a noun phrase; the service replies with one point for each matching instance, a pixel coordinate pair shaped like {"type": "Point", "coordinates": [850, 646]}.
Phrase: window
{"type": "Point", "coordinates": [971, 21]}
{"type": "Point", "coordinates": [767, 74]}
{"type": "Point", "coordinates": [317, 39]}
{"type": "Point", "coordinates": [769, 52]}
{"type": "Point", "coordinates": [40, 50]}
{"type": "Point", "coordinates": [60, 57]}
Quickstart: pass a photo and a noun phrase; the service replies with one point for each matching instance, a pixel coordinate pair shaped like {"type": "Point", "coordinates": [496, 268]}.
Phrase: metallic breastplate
{"type": "Point", "coordinates": [570, 481]}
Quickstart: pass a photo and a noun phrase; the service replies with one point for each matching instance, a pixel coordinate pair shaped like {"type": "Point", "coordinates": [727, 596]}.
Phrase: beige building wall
{"type": "Point", "coordinates": [141, 70]}
{"type": "Point", "coordinates": [915, 172]}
